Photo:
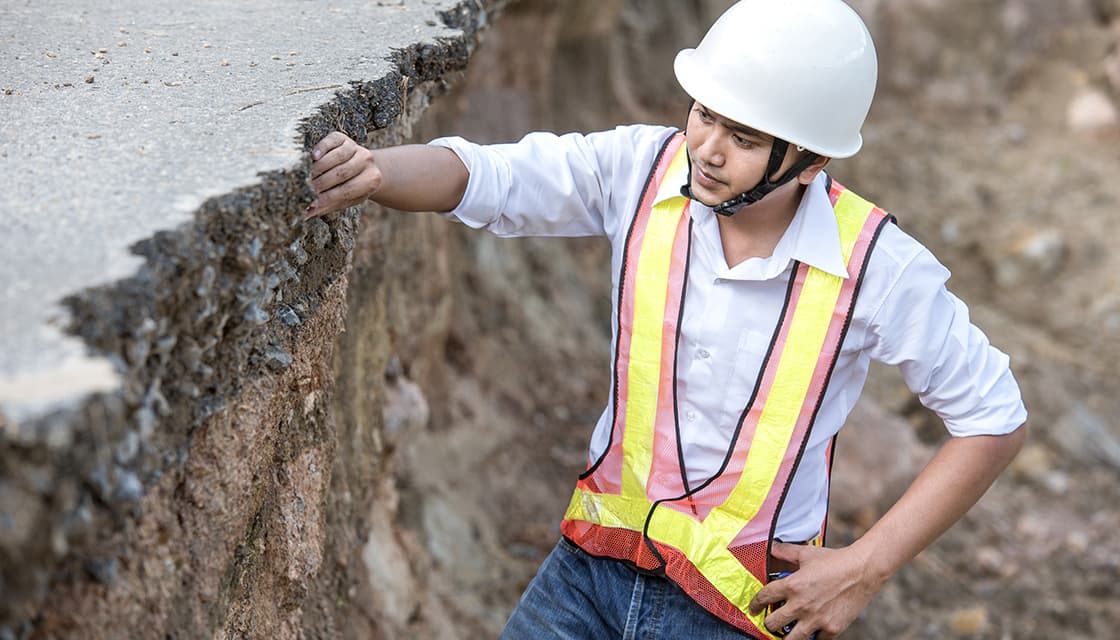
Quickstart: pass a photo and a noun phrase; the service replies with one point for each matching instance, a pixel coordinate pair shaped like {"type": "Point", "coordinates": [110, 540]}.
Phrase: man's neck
{"type": "Point", "coordinates": [754, 231]}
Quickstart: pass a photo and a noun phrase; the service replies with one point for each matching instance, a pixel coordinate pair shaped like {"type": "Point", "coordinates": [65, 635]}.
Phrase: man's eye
{"type": "Point", "coordinates": [705, 116]}
{"type": "Point", "coordinates": [743, 142]}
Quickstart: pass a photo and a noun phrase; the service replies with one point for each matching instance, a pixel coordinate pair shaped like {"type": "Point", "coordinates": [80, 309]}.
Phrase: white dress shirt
{"type": "Point", "coordinates": [589, 185]}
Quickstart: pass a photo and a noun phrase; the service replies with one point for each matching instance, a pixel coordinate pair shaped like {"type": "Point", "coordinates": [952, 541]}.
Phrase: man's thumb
{"type": "Point", "coordinates": [788, 552]}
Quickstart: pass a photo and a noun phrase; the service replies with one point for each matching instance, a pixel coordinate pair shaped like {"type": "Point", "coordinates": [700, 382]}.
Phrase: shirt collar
{"type": "Point", "coordinates": [813, 236]}
{"type": "Point", "coordinates": [818, 244]}
{"type": "Point", "coordinates": [675, 178]}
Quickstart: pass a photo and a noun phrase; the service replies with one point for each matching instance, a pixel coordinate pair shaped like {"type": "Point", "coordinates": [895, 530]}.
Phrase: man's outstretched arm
{"type": "Point", "coordinates": [408, 177]}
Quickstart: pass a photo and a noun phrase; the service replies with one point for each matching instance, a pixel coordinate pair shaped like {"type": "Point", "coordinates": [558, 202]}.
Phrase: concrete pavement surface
{"type": "Point", "coordinates": [119, 120]}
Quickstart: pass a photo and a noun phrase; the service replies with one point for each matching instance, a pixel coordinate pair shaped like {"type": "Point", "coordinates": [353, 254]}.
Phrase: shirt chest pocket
{"type": "Point", "coordinates": [749, 354]}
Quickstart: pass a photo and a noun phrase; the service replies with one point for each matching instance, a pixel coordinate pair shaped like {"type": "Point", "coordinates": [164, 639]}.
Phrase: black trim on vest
{"type": "Point", "coordinates": [828, 488]}
{"type": "Point", "coordinates": [824, 389]}
{"type": "Point", "coordinates": [618, 307]}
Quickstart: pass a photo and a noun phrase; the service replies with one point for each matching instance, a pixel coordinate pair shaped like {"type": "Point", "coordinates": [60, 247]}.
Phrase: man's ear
{"type": "Point", "coordinates": [809, 173]}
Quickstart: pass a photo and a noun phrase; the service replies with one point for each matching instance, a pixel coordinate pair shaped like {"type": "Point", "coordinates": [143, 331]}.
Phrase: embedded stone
{"type": "Point", "coordinates": [1091, 110]}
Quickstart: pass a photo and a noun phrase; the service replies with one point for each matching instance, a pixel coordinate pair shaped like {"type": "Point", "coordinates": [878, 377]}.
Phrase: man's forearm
{"type": "Point", "coordinates": [953, 481]}
{"type": "Point", "coordinates": [410, 177]}
{"type": "Point", "coordinates": [420, 178]}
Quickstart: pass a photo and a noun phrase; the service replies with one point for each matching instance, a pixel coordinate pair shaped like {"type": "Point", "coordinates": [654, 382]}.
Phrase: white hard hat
{"type": "Point", "coordinates": [800, 70]}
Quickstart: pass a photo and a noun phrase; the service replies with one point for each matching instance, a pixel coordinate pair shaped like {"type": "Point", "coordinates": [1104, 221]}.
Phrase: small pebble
{"type": "Point", "coordinates": [969, 622]}
{"type": "Point", "coordinates": [277, 358]}
{"type": "Point", "coordinates": [288, 316]}
{"type": "Point", "coordinates": [103, 570]}
{"type": "Point", "coordinates": [129, 488]}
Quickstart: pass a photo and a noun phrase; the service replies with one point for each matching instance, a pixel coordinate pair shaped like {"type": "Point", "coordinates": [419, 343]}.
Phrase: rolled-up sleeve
{"type": "Point", "coordinates": [552, 185]}
{"type": "Point", "coordinates": [944, 358]}
{"type": "Point", "coordinates": [544, 185]}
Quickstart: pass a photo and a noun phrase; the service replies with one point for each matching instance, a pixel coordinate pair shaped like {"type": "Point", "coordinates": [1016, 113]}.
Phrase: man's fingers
{"type": "Point", "coordinates": [802, 632]}
{"type": "Point", "coordinates": [788, 552]}
{"type": "Point", "coordinates": [326, 203]}
{"type": "Point", "coordinates": [342, 175]}
{"type": "Point", "coordinates": [770, 594]}
{"type": "Point", "coordinates": [330, 141]}
{"type": "Point", "coordinates": [333, 158]}
{"type": "Point", "coordinates": [338, 175]}
{"type": "Point", "coordinates": [786, 620]}
{"type": "Point", "coordinates": [778, 619]}
{"type": "Point", "coordinates": [346, 194]}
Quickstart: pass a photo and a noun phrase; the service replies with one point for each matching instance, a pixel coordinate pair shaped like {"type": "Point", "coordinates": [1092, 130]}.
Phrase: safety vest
{"type": "Point", "coordinates": [634, 503]}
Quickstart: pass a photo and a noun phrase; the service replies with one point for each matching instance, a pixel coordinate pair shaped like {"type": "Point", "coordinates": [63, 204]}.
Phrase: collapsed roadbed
{"type": "Point", "coordinates": [167, 444]}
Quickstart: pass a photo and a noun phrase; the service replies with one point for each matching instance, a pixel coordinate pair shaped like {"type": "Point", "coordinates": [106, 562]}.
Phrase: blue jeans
{"type": "Point", "coordinates": [579, 597]}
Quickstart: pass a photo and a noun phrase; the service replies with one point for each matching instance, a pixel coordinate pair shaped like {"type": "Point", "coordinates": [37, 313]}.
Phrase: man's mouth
{"type": "Point", "coordinates": [706, 179]}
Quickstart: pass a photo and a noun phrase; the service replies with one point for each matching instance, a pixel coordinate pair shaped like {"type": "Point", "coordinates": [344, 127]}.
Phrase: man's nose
{"type": "Point", "coordinates": [711, 150]}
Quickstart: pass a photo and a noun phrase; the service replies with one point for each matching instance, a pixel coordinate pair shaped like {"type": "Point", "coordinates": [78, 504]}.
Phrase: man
{"type": "Point", "coordinates": [751, 293]}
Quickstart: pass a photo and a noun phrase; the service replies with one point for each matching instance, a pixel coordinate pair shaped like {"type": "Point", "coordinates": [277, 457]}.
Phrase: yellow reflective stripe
{"type": "Point", "coordinates": [672, 179]}
{"type": "Point", "coordinates": [851, 214]}
{"type": "Point", "coordinates": [678, 164]}
{"type": "Point", "coordinates": [651, 288]}
{"type": "Point", "coordinates": [710, 556]}
{"type": "Point", "coordinates": [609, 510]}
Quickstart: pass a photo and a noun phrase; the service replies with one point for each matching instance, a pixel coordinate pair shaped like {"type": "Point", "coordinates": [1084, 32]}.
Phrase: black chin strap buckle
{"type": "Point", "coordinates": [732, 206]}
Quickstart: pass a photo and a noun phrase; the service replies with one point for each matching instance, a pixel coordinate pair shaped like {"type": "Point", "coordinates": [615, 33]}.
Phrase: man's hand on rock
{"type": "Point", "coordinates": [343, 174]}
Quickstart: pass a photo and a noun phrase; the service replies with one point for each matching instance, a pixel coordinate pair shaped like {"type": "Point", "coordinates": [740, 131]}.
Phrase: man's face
{"type": "Point", "coordinates": [727, 158]}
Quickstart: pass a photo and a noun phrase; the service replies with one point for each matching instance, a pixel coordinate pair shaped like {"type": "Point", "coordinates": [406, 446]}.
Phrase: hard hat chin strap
{"type": "Point", "coordinates": [778, 150]}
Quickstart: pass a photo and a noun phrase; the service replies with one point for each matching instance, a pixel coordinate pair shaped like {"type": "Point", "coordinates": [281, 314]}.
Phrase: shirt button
{"type": "Point", "coordinates": [703, 354]}
{"type": "Point", "coordinates": [691, 415]}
